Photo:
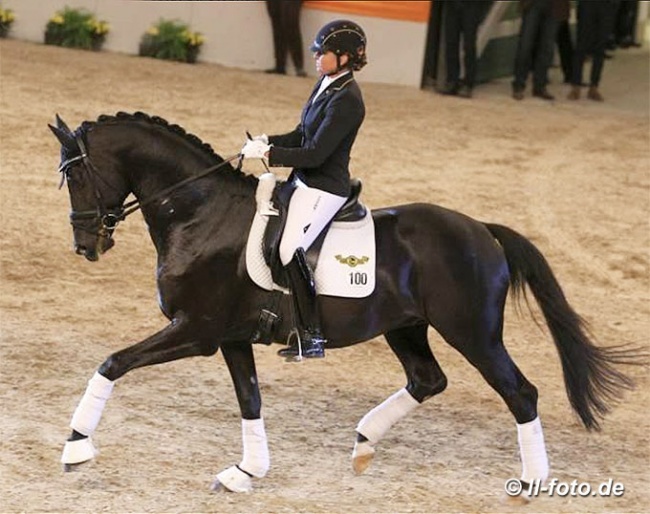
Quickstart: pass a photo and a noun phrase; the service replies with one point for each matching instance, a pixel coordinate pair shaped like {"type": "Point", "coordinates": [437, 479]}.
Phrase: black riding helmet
{"type": "Point", "coordinates": [342, 37]}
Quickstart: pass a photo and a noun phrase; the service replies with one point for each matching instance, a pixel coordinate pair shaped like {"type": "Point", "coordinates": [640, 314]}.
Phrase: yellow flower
{"type": "Point", "coordinates": [195, 39]}
{"type": "Point", "coordinates": [6, 16]}
{"type": "Point", "coordinates": [58, 19]}
{"type": "Point", "coordinates": [153, 31]}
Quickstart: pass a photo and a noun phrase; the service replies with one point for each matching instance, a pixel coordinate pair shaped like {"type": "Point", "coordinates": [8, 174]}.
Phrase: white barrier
{"type": "Point", "coordinates": [238, 34]}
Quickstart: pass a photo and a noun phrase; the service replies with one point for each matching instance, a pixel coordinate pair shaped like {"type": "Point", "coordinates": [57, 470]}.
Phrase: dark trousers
{"type": "Point", "coordinates": [565, 49]}
{"type": "Point", "coordinates": [595, 24]}
{"type": "Point", "coordinates": [461, 18]}
{"type": "Point", "coordinates": [287, 38]}
{"type": "Point", "coordinates": [626, 17]}
{"type": "Point", "coordinates": [536, 45]}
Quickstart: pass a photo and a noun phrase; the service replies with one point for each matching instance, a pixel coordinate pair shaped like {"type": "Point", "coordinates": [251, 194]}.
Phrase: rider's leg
{"type": "Point", "coordinates": [310, 211]}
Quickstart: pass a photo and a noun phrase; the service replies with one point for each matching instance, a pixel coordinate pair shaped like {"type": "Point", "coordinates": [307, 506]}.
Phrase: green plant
{"type": "Point", "coordinates": [76, 28]}
{"type": "Point", "coordinates": [171, 40]}
{"type": "Point", "coordinates": [7, 17]}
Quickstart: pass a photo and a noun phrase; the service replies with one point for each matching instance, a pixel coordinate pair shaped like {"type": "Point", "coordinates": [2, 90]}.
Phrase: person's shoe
{"type": "Point", "coordinates": [543, 94]}
{"type": "Point", "coordinates": [465, 91]}
{"type": "Point", "coordinates": [450, 90]}
{"type": "Point", "coordinates": [301, 73]}
{"type": "Point", "coordinates": [276, 71]}
{"type": "Point", "coordinates": [574, 94]}
{"type": "Point", "coordinates": [518, 94]}
{"type": "Point", "coordinates": [313, 347]}
{"type": "Point", "coordinates": [595, 95]}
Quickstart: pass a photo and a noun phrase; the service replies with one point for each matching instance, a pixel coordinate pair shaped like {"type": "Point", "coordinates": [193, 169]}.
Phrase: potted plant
{"type": "Point", "coordinates": [7, 17]}
{"type": "Point", "coordinates": [76, 28]}
{"type": "Point", "coordinates": [171, 40]}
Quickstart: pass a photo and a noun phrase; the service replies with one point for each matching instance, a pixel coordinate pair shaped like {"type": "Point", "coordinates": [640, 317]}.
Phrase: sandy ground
{"type": "Point", "coordinates": [574, 177]}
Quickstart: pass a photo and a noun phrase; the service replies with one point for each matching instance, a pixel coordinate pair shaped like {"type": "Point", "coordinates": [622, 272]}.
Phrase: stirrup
{"type": "Point", "coordinates": [307, 347]}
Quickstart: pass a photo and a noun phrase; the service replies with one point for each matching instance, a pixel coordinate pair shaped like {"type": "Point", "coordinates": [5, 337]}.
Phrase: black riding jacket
{"type": "Point", "coordinates": [319, 147]}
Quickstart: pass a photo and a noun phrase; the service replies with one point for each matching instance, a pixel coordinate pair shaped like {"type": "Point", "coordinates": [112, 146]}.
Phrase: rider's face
{"type": "Point", "coordinates": [326, 63]}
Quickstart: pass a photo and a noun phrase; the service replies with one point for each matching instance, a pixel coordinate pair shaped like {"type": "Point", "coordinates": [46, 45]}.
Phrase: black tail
{"type": "Point", "coordinates": [591, 379]}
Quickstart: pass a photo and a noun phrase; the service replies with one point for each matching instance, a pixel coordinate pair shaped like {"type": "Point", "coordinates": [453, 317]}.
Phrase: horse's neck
{"type": "Point", "coordinates": [172, 201]}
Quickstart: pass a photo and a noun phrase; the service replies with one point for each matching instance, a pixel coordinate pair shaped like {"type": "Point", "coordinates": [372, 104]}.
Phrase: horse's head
{"type": "Point", "coordinates": [96, 198]}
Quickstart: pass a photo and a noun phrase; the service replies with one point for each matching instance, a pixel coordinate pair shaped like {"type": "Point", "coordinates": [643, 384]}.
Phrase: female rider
{"type": "Point", "coordinates": [318, 150]}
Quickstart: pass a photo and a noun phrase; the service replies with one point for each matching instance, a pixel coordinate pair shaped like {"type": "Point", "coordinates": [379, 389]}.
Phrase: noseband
{"type": "Point", "coordinates": [109, 217]}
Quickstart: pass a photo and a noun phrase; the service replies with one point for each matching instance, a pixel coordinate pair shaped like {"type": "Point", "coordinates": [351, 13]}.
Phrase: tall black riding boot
{"type": "Point", "coordinates": [303, 288]}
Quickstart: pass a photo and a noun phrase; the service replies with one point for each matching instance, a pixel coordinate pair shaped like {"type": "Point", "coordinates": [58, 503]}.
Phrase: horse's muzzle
{"type": "Point", "coordinates": [92, 254]}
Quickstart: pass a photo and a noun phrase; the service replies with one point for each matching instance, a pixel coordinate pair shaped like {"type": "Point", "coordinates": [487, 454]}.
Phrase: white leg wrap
{"type": "Point", "coordinates": [534, 461]}
{"type": "Point", "coordinates": [256, 459]}
{"type": "Point", "coordinates": [378, 421]}
{"type": "Point", "coordinates": [89, 411]}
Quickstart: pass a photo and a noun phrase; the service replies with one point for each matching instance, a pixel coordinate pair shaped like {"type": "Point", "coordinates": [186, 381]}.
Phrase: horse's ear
{"type": "Point", "coordinates": [62, 124]}
{"type": "Point", "coordinates": [65, 138]}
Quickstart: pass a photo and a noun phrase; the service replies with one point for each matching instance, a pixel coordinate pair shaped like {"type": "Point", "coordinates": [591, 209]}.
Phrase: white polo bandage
{"type": "Point", "coordinates": [89, 411]}
{"type": "Point", "coordinates": [534, 460]}
{"type": "Point", "coordinates": [378, 421]}
{"type": "Point", "coordinates": [256, 460]}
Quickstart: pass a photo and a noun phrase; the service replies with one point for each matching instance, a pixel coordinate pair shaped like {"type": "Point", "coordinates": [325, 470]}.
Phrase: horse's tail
{"type": "Point", "coordinates": [591, 379]}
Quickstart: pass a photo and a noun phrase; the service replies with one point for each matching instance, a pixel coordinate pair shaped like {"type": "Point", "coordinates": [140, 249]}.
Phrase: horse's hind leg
{"type": "Point", "coordinates": [488, 355]}
{"type": "Point", "coordinates": [424, 380]}
{"type": "Point", "coordinates": [178, 340]}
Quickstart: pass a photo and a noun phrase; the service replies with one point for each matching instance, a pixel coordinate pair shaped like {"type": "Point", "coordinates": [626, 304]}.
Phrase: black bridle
{"type": "Point", "coordinates": [108, 218]}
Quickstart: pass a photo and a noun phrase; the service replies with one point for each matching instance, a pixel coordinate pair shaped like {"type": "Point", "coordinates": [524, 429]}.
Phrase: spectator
{"type": "Point", "coordinates": [539, 24]}
{"type": "Point", "coordinates": [595, 24]}
{"type": "Point", "coordinates": [461, 18]}
{"type": "Point", "coordinates": [287, 38]}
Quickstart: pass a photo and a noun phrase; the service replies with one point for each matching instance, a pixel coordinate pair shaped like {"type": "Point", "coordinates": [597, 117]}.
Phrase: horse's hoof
{"type": "Point", "coordinates": [362, 456]}
{"type": "Point", "coordinates": [233, 479]}
{"type": "Point", "coordinates": [519, 500]}
{"type": "Point", "coordinates": [77, 452]}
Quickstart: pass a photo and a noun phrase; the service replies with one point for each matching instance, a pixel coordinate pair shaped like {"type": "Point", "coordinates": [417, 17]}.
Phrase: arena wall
{"type": "Point", "coordinates": [238, 33]}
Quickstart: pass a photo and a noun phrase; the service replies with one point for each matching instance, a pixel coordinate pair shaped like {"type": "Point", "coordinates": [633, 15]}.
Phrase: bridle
{"type": "Point", "coordinates": [108, 218]}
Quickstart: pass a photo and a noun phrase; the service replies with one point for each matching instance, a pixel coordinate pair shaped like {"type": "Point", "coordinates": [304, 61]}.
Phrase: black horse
{"type": "Point", "coordinates": [435, 267]}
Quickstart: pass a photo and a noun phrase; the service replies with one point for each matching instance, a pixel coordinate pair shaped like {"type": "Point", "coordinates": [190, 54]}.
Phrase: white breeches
{"type": "Point", "coordinates": [310, 210]}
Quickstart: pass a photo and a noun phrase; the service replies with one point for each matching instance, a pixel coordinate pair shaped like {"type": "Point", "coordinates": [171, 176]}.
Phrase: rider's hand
{"type": "Point", "coordinates": [254, 149]}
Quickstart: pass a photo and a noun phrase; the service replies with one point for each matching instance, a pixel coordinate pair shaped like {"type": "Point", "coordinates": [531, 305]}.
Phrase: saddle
{"type": "Point", "coordinates": [352, 210]}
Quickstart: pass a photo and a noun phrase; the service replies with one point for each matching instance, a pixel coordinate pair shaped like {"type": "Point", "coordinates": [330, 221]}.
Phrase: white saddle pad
{"type": "Point", "coordinates": [346, 264]}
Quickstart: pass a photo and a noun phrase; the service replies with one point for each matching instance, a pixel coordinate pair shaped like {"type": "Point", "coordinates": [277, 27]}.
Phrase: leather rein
{"type": "Point", "coordinates": [110, 217]}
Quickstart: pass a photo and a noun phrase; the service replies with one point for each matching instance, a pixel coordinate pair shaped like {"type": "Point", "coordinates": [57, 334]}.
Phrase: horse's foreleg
{"type": "Point", "coordinates": [255, 461]}
{"type": "Point", "coordinates": [178, 340]}
{"type": "Point", "coordinates": [425, 379]}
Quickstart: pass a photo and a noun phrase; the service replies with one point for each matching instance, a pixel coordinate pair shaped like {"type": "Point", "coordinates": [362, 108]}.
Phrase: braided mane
{"type": "Point", "coordinates": [171, 127]}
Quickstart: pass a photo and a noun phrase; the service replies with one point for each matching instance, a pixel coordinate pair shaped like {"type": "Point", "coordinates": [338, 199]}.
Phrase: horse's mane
{"type": "Point", "coordinates": [161, 122]}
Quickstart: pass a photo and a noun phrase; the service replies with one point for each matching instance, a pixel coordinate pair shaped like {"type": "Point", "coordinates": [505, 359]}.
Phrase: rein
{"type": "Point", "coordinates": [110, 217]}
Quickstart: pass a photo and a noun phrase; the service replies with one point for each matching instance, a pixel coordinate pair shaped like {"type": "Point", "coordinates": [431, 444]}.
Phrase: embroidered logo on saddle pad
{"type": "Point", "coordinates": [346, 263]}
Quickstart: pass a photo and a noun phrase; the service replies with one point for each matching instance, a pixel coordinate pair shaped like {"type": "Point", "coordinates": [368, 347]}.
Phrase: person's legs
{"type": "Point", "coordinates": [274, 8]}
{"type": "Point", "coordinates": [452, 46]}
{"type": "Point", "coordinates": [310, 211]}
{"type": "Point", "coordinates": [292, 34]}
{"type": "Point", "coordinates": [544, 55]}
{"type": "Point", "coordinates": [565, 49]}
{"type": "Point", "coordinates": [470, 21]}
{"type": "Point", "coordinates": [583, 47]}
{"type": "Point", "coordinates": [527, 36]}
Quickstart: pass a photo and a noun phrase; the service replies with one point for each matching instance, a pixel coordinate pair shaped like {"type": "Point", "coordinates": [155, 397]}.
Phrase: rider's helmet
{"type": "Point", "coordinates": [343, 37]}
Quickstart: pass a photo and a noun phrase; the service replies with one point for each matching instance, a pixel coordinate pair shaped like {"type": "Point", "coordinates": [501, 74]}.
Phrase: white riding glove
{"type": "Point", "coordinates": [254, 149]}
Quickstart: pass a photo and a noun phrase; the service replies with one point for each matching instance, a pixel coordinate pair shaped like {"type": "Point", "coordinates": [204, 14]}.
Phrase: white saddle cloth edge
{"type": "Point", "coordinates": [346, 264]}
